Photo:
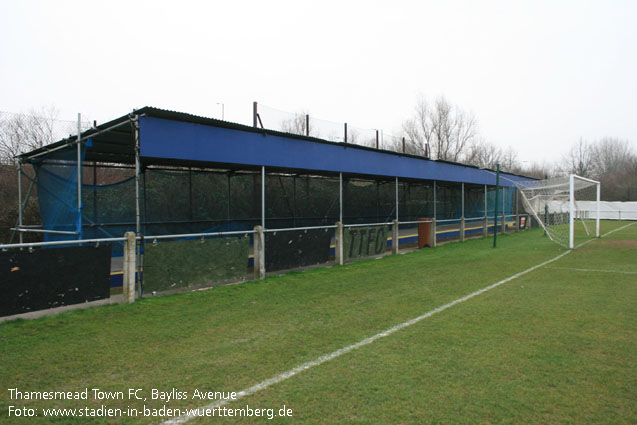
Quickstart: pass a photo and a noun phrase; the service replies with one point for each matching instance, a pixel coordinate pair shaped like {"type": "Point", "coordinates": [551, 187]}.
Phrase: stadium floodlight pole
{"type": "Point", "coordinates": [495, 213]}
{"type": "Point", "coordinates": [79, 176]}
{"type": "Point", "coordinates": [571, 211]}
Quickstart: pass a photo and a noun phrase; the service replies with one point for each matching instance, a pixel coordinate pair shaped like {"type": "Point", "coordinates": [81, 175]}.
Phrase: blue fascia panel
{"type": "Point", "coordinates": [161, 138]}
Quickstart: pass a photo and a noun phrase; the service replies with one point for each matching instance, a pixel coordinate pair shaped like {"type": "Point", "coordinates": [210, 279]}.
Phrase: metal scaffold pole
{"type": "Point", "coordinates": [340, 196]}
{"type": "Point", "coordinates": [20, 199]}
{"type": "Point", "coordinates": [263, 197]}
{"type": "Point", "coordinates": [79, 176]}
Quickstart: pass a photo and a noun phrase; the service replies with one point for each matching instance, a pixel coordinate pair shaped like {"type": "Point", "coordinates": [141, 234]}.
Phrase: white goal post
{"type": "Point", "coordinates": [563, 206]}
{"type": "Point", "coordinates": [574, 212]}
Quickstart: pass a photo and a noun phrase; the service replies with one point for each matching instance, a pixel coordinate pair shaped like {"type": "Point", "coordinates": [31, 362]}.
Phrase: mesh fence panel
{"type": "Point", "coordinates": [368, 201]}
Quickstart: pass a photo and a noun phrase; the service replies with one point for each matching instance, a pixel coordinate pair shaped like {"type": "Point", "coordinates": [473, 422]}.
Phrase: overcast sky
{"type": "Point", "coordinates": [538, 75]}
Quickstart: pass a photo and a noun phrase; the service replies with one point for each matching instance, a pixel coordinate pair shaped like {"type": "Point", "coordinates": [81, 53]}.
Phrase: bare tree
{"type": "Point", "coordinates": [446, 128]}
{"type": "Point", "coordinates": [609, 155]}
{"type": "Point", "coordinates": [578, 160]}
{"type": "Point", "coordinates": [296, 124]}
{"type": "Point", "coordinates": [20, 133]}
{"type": "Point", "coordinates": [483, 154]}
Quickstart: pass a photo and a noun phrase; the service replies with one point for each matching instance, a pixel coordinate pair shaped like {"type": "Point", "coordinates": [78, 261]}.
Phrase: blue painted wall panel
{"type": "Point", "coordinates": [161, 138]}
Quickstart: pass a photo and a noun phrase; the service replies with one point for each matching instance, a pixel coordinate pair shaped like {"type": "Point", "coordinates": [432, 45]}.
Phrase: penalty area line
{"type": "Point", "coordinates": [327, 357]}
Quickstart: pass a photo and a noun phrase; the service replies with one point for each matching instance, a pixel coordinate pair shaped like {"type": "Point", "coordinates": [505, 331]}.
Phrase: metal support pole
{"type": "Point", "coordinates": [462, 215]}
{"type": "Point", "coordinates": [495, 213]}
{"type": "Point", "coordinates": [396, 198]}
{"type": "Point", "coordinates": [79, 176]}
{"type": "Point", "coordinates": [137, 173]}
{"type": "Point", "coordinates": [137, 204]}
{"type": "Point", "coordinates": [403, 145]}
{"type": "Point", "coordinates": [345, 133]}
{"type": "Point", "coordinates": [376, 139]}
{"type": "Point", "coordinates": [340, 197]}
{"type": "Point", "coordinates": [263, 197]}
{"type": "Point", "coordinates": [254, 115]}
{"type": "Point", "coordinates": [20, 199]}
{"type": "Point", "coordinates": [307, 125]}
{"type": "Point", "coordinates": [486, 212]}
{"type": "Point", "coordinates": [435, 212]}
{"type": "Point", "coordinates": [598, 209]}
{"type": "Point", "coordinates": [504, 217]}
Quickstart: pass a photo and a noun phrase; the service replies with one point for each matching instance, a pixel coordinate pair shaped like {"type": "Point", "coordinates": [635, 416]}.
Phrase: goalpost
{"type": "Point", "coordinates": [567, 208]}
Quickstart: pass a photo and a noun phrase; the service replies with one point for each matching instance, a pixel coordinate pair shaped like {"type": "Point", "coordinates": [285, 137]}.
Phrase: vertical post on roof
{"type": "Point", "coordinates": [376, 139]}
{"type": "Point", "coordinates": [254, 115]}
{"type": "Point", "coordinates": [340, 197]}
{"type": "Point", "coordinates": [263, 197]}
{"type": "Point", "coordinates": [20, 200]}
{"type": "Point", "coordinates": [79, 176]}
{"type": "Point", "coordinates": [396, 197]}
{"type": "Point", "coordinates": [403, 145]}
{"type": "Point", "coordinates": [345, 133]}
{"type": "Point", "coordinates": [307, 124]}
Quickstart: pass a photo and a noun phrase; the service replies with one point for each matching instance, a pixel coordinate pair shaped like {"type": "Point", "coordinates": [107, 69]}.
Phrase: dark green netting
{"type": "Point", "coordinates": [299, 201]}
{"type": "Point", "coordinates": [368, 201]}
{"type": "Point", "coordinates": [182, 200]}
{"type": "Point", "coordinates": [180, 264]}
{"type": "Point", "coordinates": [474, 201]}
{"type": "Point", "coordinates": [415, 200]}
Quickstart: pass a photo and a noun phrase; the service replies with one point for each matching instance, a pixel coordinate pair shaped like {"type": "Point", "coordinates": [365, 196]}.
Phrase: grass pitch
{"type": "Point", "coordinates": [557, 345]}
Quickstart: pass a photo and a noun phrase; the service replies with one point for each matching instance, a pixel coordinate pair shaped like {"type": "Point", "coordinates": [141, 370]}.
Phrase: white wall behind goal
{"type": "Point", "coordinates": [607, 210]}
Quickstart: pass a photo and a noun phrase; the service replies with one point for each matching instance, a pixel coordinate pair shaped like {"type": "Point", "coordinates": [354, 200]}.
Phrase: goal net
{"type": "Point", "coordinates": [567, 208]}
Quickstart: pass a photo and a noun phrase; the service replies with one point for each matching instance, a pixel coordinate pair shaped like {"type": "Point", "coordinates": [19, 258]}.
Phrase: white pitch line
{"type": "Point", "coordinates": [606, 234]}
{"type": "Point", "coordinates": [590, 270]}
{"type": "Point", "coordinates": [327, 357]}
